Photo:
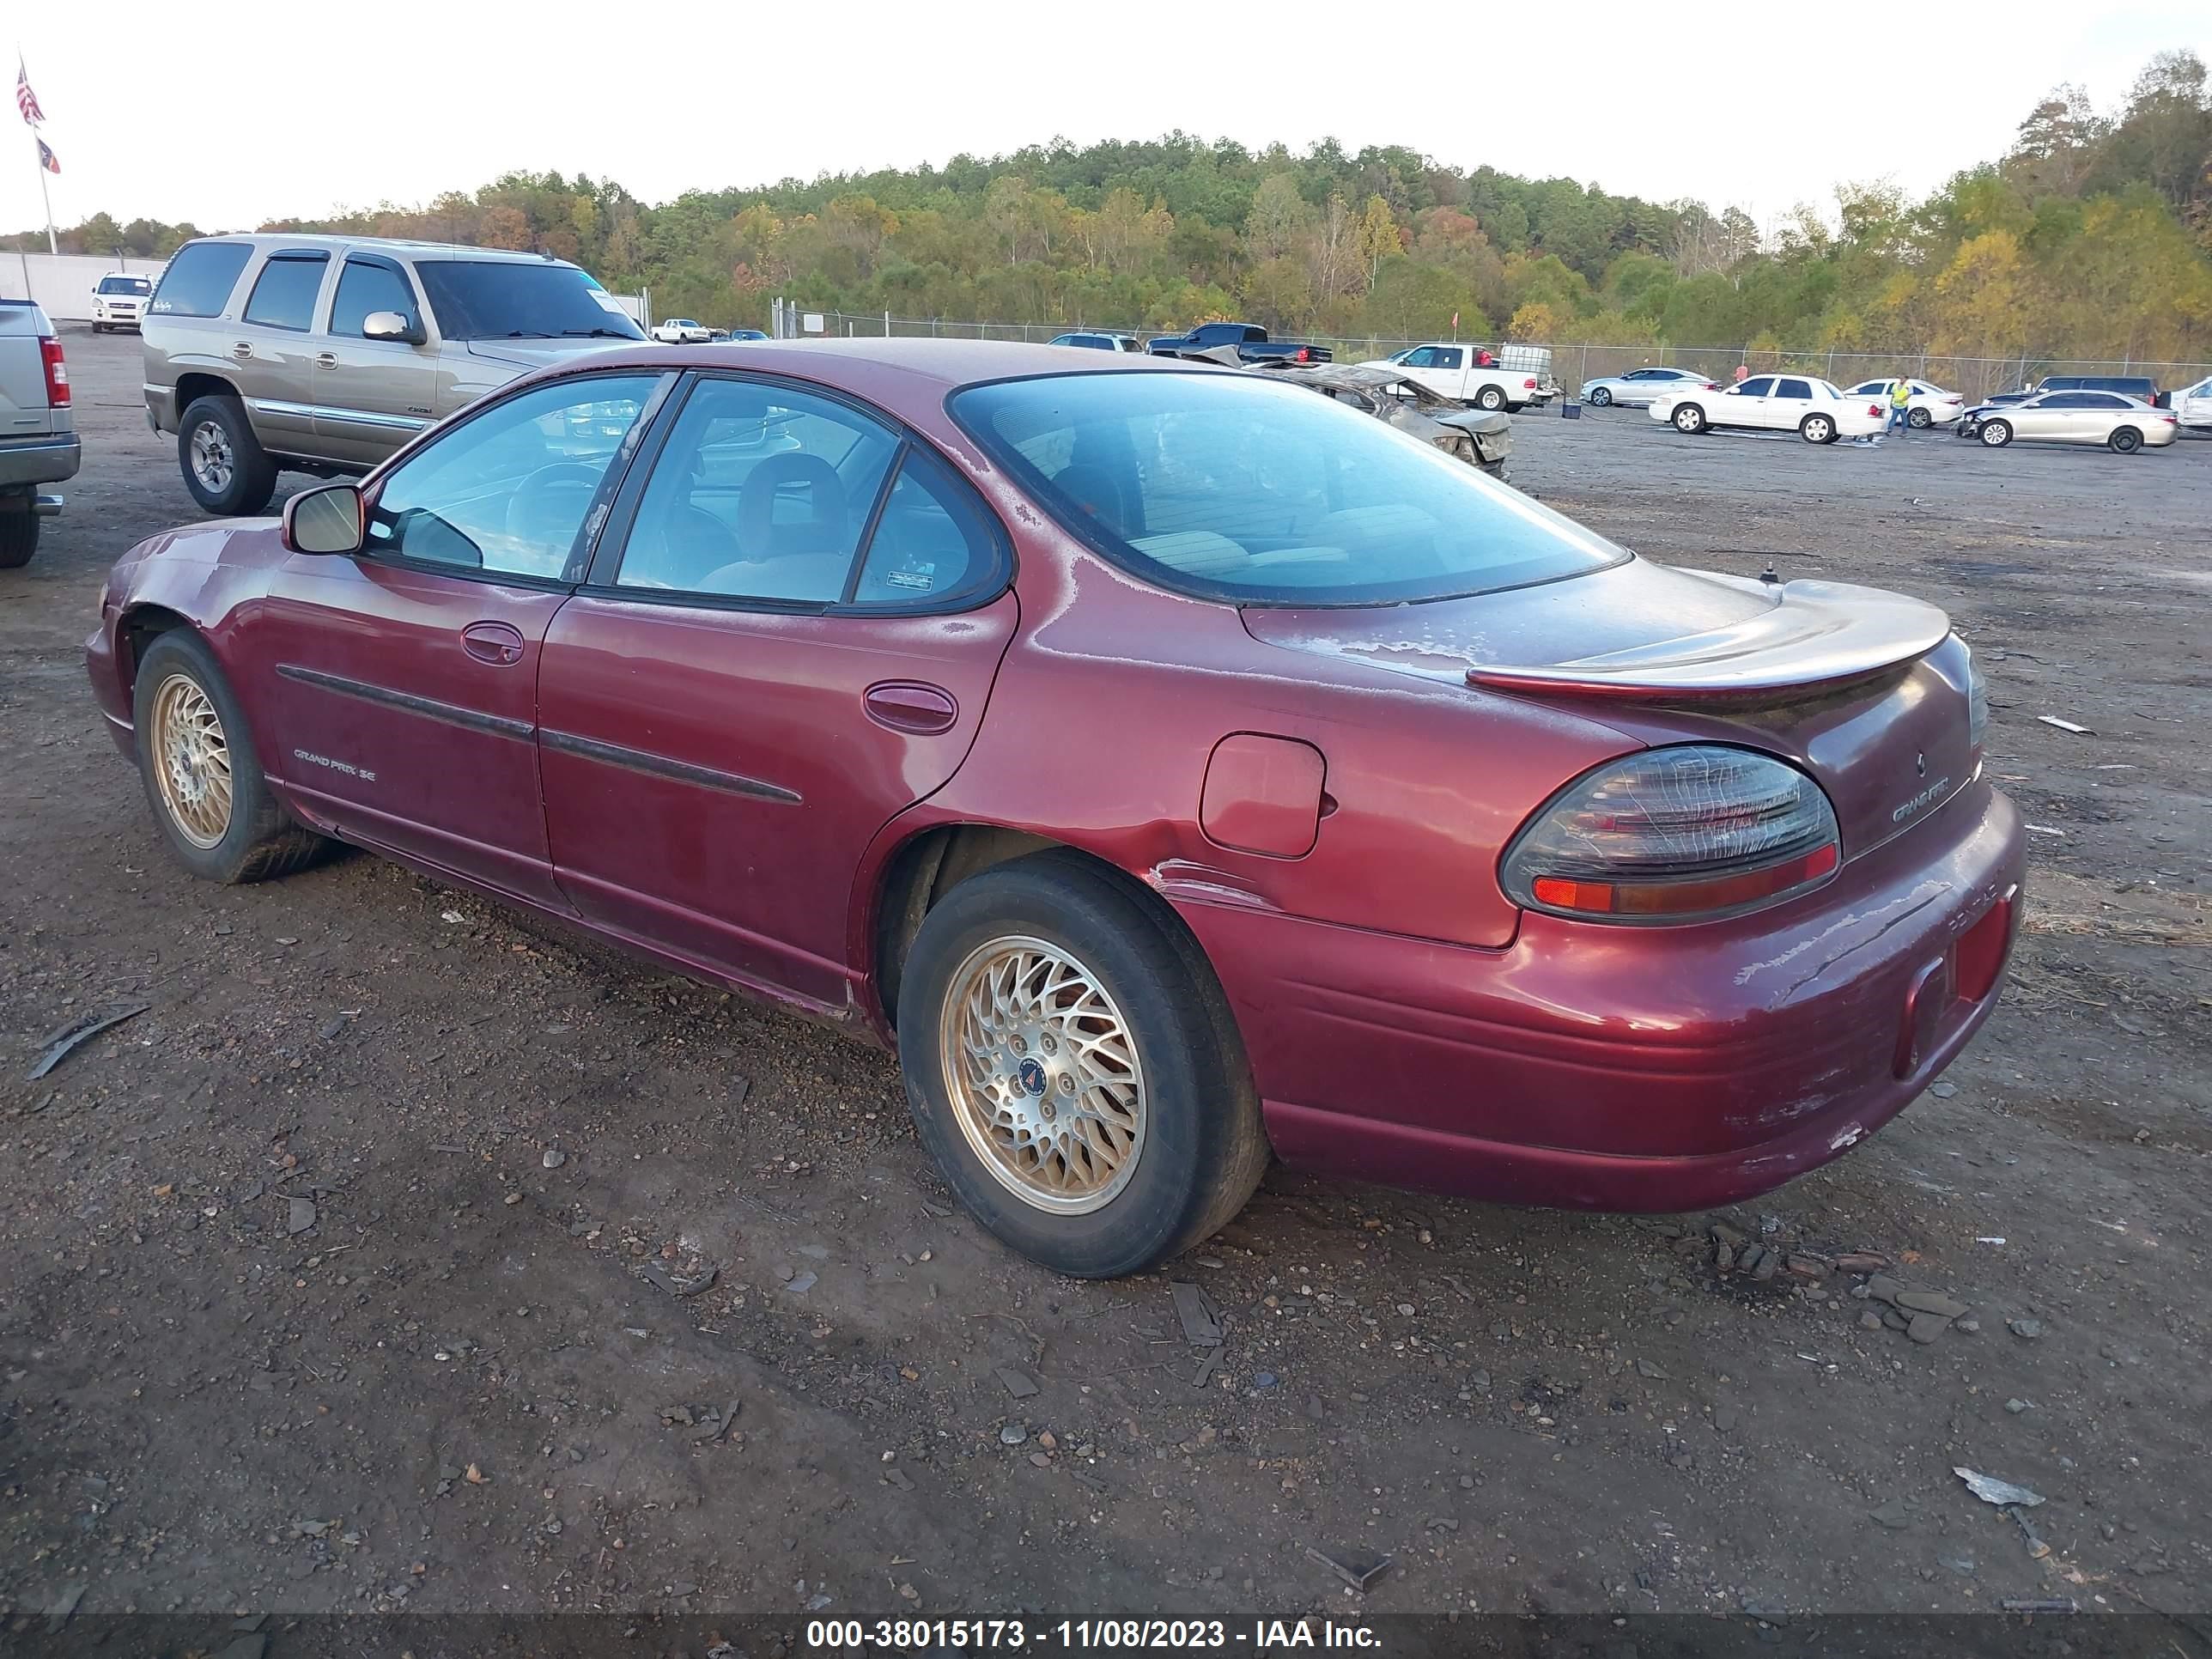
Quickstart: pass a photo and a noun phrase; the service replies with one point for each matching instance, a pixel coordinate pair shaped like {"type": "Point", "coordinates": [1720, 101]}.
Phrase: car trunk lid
{"type": "Point", "coordinates": [1866, 690]}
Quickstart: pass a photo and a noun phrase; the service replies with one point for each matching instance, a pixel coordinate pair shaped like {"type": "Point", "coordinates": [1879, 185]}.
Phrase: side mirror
{"type": "Point", "coordinates": [331, 520]}
{"type": "Point", "coordinates": [390, 325]}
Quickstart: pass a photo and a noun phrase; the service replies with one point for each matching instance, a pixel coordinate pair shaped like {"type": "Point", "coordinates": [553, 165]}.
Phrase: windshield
{"type": "Point", "coordinates": [1233, 487]}
{"type": "Point", "coordinates": [497, 299]}
{"type": "Point", "coordinates": [125, 285]}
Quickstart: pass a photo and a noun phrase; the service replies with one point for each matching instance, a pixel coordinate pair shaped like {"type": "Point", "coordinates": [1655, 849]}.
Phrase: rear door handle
{"type": "Point", "coordinates": [909, 705]}
{"type": "Point", "coordinates": [493, 642]}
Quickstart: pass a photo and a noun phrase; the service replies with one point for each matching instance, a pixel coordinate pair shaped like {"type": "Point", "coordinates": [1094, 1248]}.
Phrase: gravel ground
{"type": "Point", "coordinates": [352, 1274]}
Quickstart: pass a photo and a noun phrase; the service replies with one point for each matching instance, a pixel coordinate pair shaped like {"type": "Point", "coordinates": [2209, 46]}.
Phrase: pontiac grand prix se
{"type": "Point", "coordinates": [1177, 769]}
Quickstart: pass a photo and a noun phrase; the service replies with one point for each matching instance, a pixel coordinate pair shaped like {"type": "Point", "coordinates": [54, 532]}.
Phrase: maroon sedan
{"type": "Point", "coordinates": [1176, 768]}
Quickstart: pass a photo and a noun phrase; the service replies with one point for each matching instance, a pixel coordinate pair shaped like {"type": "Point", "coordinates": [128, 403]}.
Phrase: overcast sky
{"type": "Point", "coordinates": [231, 114]}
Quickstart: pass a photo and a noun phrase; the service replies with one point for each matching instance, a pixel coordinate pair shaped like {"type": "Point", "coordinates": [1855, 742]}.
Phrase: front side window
{"type": "Point", "coordinates": [1248, 490]}
{"type": "Point", "coordinates": [199, 279]}
{"type": "Point", "coordinates": [1871, 389]}
{"type": "Point", "coordinates": [367, 285]}
{"type": "Point", "coordinates": [1421, 357]}
{"type": "Point", "coordinates": [1762, 387]}
{"type": "Point", "coordinates": [508, 299]}
{"type": "Point", "coordinates": [507, 491]}
{"type": "Point", "coordinates": [762, 492]}
{"type": "Point", "coordinates": [284, 293]}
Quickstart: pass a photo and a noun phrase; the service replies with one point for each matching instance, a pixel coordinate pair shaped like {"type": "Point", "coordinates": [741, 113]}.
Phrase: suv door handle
{"type": "Point", "coordinates": [243, 348]}
{"type": "Point", "coordinates": [327, 360]}
{"type": "Point", "coordinates": [494, 642]}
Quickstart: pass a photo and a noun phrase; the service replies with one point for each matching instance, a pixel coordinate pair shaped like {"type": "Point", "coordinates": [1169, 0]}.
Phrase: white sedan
{"type": "Point", "coordinates": [1925, 405]}
{"type": "Point", "coordinates": [1815, 411]}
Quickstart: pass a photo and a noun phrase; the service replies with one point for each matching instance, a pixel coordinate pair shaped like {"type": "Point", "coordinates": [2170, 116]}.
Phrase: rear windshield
{"type": "Point", "coordinates": [199, 281]}
{"type": "Point", "coordinates": [495, 300]}
{"type": "Point", "coordinates": [1232, 486]}
{"type": "Point", "coordinates": [125, 285]}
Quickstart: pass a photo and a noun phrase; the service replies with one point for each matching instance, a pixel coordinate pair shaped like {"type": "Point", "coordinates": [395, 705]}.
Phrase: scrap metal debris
{"type": "Point", "coordinates": [675, 1285]}
{"type": "Point", "coordinates": [1990, 1489]}
{"type": "Point", "coordinates": [1201, 1323]}
{"type": "Point", "coordinates": [1357, 1568]}
{"type": "Point", "coordinates": [65, 1042]}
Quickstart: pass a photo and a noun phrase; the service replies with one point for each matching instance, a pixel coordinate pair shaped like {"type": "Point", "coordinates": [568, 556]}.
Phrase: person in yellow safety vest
{"type": "Point", "coordinates": [1900, 399]}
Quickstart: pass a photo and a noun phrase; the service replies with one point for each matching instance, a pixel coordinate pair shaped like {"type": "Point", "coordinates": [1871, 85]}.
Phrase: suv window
{"type": "Point", "coordinates": [199, 281]}
{"type": "Point", "coordinates": [1235, 487]}
{"type": "Point", "coordinates": [125, 285]}
{"type": "Point", "coordinates": [285, 294]}
{"type": "Point", "coordinates": [508, 490]}
{"type": "Point", "coordinates": [506, 300]}
{"type": "Point", "coordinates": [367, 285]}
{"type": "Point", "coordinates": [761, 492]}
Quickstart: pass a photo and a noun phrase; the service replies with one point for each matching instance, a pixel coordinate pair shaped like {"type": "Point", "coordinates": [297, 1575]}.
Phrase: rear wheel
{"type": "Point", "coordinates": [1996, 435]}
{"type": "Point", "coordinates": [1689, 417]}
{"type": "Point", "coordinates": [196, 758]}
{"type": "Point", "coordinates": [1072, 1067]}
{"type": "Point", "coordinates": [1490, 397]}
{"type": "Point", "coordinates": [1600, 396]}
{"type": "Point", "coordinates": [19, 537]}
{"type": "Point", "coordinates": [224, 465]}
{"type": "Point", "coordinates": [2125, 438]}
{"type": "Point", "coordinates": [1918, 418]}
{"type": "Point", "coordinates": [1817, 429]}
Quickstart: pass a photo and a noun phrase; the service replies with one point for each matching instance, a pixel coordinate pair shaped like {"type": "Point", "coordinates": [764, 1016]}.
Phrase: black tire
{"type": "Point", "coordinates": [100, 328]}
{"type": "Point", "coordinates": [1817, 429]}
{"type": "Point", "coordinates": [1919, 418]}
{"type": "Point", "coordinates": [241, 485]}
{"type": "Point", "coordinates": [1995, 434]}
{"type": "Point", "coordinates": [1600, 396]}
{"type": "Point", "coordinates": [260, 841]}
{"type": "Point", "coordinates": [1490, 398]}
{"type": "Point", "coordinates": [2125, 440]}
{"type": "Point", "coordinates": [1202, 1149]}
{"type": "Point", "coordinates": [1688, 418]}
{"type": "Point", "coordinates": [19, 538]}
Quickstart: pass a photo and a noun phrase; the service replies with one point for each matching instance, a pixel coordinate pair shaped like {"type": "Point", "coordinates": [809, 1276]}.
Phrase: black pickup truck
{"type": "Point", "coordinates": [1251, 341]}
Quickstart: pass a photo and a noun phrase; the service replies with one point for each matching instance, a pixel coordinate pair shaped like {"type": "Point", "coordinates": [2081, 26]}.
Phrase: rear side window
{"type": "Point", "coordinates": [2101, 400]}
{"type": "Point", "coordinates": [1793, 389]}
{"type": "Point", "coordinates": [199, 281]}
{"type": "Point", "coordinates": [932, 541]}
{"type": "Point", "coordinates": [367, 285]}
{"type": "Point", "coordinates": [284, 293]}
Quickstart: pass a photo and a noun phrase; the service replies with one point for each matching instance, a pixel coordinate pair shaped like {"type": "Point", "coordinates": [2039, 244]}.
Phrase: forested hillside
{"type": "Point", "coordinates": [2091, 238]}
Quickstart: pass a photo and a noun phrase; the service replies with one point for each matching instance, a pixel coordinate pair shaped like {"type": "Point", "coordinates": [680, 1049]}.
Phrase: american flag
{"type": "Point", "coordinates": [26, 100]}
{"type": "Point", "coordinates": [46, 159]}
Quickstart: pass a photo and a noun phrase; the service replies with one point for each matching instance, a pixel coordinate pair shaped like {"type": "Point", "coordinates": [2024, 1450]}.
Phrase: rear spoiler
{"type": "Point", "coordinates": [1813, 637]}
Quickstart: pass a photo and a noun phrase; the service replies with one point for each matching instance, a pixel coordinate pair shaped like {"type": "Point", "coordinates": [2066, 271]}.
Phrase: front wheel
{"type": "Point", "coordinates": [1817, 429]}
{"type": "Point", "coordinates": [1996, 435]}
{"type": "Point", "coordinates": [1600, 396]}
{"type": "Point", "coordinates": [1490, 398]}
{"type": "Point", "coordinates": [2125, 440]}
{"type": "Point", "coordinates": [1689, 418]}
{"type": "Point", "coordinates": [1072, 1067]}
{"type": "Point", "coordinates": [203, 779]}
{"type": "Point", "coordinates": [224, 465]}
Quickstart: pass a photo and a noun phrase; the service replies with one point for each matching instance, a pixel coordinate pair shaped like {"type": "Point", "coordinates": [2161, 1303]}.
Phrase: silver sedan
{"type": "Point", "coordinates": [1640, 387]}
{"type": "Point", "coordinates": [2104, 418]}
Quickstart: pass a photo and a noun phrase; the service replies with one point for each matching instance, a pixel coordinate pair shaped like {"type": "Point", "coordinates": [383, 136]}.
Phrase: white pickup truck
{"type": "Point", "coordinates": [38, 434]}
{"type": "Point", "coordinates": [1454, 368]}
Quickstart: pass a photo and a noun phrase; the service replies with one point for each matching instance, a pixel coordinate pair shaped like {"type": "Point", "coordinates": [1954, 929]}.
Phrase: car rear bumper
{"type": "Point", "coordinates": [47, 458]}
{"type": "Point", "coordinates": [1621, 1068]}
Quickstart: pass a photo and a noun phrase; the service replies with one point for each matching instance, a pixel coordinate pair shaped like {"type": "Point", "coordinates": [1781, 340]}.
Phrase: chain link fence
{"type": "Point", "coordinates": [1577, 364]}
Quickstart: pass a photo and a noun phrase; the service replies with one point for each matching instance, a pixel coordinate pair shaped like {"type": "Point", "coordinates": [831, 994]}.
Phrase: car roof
{"type": "Point", "coordinates": [273, 239]}
{"type": "Point", "coordinates": [947, 363]}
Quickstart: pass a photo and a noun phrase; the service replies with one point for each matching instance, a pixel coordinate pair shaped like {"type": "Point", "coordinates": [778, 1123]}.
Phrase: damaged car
{"type": "Point", "coordinates": [1481, 438]}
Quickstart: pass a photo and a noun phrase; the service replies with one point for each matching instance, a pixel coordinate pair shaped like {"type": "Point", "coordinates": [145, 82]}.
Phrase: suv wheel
{"type": "Point", "coordinates": [224, 465]}
{"type": "Point", "coordinates": [19, 538]}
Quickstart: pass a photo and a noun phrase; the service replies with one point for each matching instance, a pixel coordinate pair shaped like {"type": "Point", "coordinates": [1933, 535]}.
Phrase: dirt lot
{"type": "Point", "coordinates": [322, 1286]}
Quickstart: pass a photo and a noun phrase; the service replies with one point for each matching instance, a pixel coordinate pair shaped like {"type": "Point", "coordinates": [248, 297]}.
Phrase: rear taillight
{"type": "Point", "coordinates": [57, 392]}
{"type": "Point", "coordinates": [1675, 834]}
{"type": "Point", "coordinates": [1977, 703]}
{"type": "Point", "coordinates": [1529, 386]}
{"type": "Point", "coordinates": [1874, 408]}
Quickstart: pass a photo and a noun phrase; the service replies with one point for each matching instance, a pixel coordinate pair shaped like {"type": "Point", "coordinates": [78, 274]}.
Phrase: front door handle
{"type": "Point", "coordinates": [327, 360]}
{"type": "Point", "coordinates": [243, 348]}
{"type": "Point", "coordinates": [908, 706]}
{"type": "Point", "coordinates": [493, 642]}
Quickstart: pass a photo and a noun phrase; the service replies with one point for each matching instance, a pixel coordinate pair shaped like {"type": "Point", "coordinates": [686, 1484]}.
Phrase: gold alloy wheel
{"type": "Point", "coordinates": [1044, 1075]}
{"type": "Point", "coordinates": [191, 761]}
